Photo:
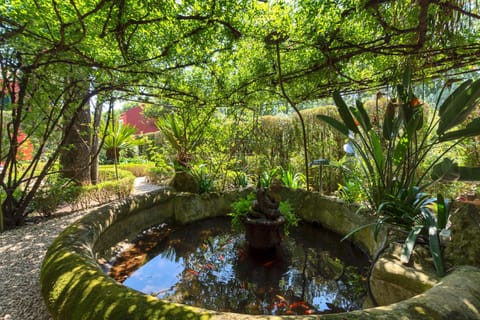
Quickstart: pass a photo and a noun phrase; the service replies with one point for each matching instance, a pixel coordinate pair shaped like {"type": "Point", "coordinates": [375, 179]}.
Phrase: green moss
{"type": "Point", "coordinates": [75, 288]}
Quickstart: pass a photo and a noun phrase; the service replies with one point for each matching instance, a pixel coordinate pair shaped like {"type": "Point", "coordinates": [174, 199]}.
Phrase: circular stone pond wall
{"type": "Point", "coordinates": [75, 287]}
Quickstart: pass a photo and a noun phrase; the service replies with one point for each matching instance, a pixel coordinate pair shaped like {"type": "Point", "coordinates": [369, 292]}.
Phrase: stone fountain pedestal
{"type": "Point", "coordinates": [264, 234]}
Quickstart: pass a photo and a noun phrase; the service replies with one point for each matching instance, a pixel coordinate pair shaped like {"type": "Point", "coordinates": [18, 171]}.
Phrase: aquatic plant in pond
{"type": "Point", "coordinates": [205, 264]}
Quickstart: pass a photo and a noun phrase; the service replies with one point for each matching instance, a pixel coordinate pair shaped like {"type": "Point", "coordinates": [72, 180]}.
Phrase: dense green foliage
{"type": "Point", "coordinates": [117, 137]}
{"type": "Point", "coordinates": [209, 62]}
{"type": "Point", "coordinates": [391, 150]}
{"type": "Point", "coordinates": [58, 191]}
{"type": "Point", "coordinates": [243, 206]}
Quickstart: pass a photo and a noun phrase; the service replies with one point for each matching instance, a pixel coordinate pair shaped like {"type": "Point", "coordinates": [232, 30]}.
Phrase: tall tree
{"type": "Point", "coordinates": [100, 47]}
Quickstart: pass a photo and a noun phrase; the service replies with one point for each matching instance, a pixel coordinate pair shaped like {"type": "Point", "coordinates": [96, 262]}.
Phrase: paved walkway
{"type": "Point", "coordinates": [142, 186]}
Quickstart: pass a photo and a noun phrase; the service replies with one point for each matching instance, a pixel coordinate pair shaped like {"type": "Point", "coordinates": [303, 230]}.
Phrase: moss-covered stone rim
{"type": "Point", "coordinates": [74, 286]}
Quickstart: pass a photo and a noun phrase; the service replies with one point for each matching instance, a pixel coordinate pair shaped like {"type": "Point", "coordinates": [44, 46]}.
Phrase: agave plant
{"type": "Point", "coordinates": [266, 177]}
{"type": "Point", "coordinates": [184, 135]}
{"type": "Point", "coordinates": [204, 178]}
{"type": "Point", "coordinates": [391, 153]}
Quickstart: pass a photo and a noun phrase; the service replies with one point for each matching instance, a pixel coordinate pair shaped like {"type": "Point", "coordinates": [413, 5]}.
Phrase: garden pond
{"type": "Point", "coordinates": [206, 264]}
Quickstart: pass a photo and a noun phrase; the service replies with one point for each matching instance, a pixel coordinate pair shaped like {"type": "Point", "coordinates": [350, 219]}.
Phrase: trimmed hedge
{"type": "Point", "coordinates": [57, 191]}
{"type": "Point", "coordinates": [137, 169]}
{"type": "Point", "coordinates": [108, 189]}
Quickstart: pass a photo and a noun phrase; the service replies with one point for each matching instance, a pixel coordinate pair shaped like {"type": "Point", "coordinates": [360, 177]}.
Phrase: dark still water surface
{"type": "Point", "coordinates": [205, 264]}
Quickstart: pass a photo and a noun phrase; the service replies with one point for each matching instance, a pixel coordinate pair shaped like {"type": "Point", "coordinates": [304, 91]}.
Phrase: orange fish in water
{"type": "Point", "coordinates": [195, 273]}
{"type": "Point", "coordinates": [241, 254]}
{"type": "Point", "coordinates": [268, 264]}
{"type": "Point", "coordinates": [300, 307]}
{"type": "Point", "coordinates": [301, 304]}
{"type": "Point", "coordinates": [210, 266]}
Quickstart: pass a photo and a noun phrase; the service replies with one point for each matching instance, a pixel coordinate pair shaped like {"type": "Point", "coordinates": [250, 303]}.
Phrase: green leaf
{"type": "Point", "coordinates": [445, 170]}
{"type": "Point", "coordinates": [409, 244]}
{"type": "Point", "coordinates": [377, 150]}
{"type": "Point", "coordinates": [407, 76]}
{"type": "Point", "coordinates": [362, 116]}
{"type": "Point", "coordinates": [356, 229]}
{"type": "Point", "coordinates": [433, 241]}
{"type": "Point", "coordinates": [388, 121]}
{"type": "Point", "coordinates": [334, 123]}
{"type": "Point", "coordinates": [436, 252]}
{"type": "Point", "coordinates": [442, 212]}
{"type": "Point", "coordinates": [459, 107]}
{"type": "Point", "coordinates": [400, 152]}
{"type": "Point", "coordinates": [344, 112]}
{"type": "Point", "coordinates": [471, 130]}
{"type": "Point", "coordinates": [446, 105]}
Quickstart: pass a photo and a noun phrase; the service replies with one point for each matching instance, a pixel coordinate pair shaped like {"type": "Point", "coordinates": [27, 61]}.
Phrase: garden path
{"type": "Point", "coordinates": [141, 185]}
{"type": "Point", "coordinates": [22, 251]}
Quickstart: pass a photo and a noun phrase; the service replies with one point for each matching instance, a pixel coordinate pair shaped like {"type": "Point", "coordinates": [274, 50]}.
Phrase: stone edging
{"type": "Point", "coordinates": [74, 286]}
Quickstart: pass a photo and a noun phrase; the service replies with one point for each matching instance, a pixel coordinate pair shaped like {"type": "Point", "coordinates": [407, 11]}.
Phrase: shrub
{"type": "Point", "coordinates": [107, 190]}
{"type": "Point", "coordinates": [138, 169]}
{"type": "Point", "coordinates": [159, 173]}
{"type": "Point", "coordinates": [240, 179]}
{"type": "Point", "coordinates": [54, 192]}
{"type": "Point", "coordinates": [203, 177]}
{"type": "Point", "coordinates": [58, 191]}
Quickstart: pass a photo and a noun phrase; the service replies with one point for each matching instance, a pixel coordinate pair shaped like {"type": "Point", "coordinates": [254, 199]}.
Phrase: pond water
{"type": "Point", "coordinates": [207, 265]}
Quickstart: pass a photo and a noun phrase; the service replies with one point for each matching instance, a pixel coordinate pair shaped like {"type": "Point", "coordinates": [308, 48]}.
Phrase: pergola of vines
{"type": "Point", "coordinates": [58, 56]}
{"type": "Point", "coordinates": [348, 44]}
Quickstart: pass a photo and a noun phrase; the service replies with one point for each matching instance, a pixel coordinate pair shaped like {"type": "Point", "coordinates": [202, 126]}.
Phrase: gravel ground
{"type": "Point", "coordinates": [21, 255]}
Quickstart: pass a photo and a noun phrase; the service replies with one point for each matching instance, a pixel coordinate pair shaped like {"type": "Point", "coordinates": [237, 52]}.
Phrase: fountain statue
{"type": "Point", "coordinates": [264, 224]}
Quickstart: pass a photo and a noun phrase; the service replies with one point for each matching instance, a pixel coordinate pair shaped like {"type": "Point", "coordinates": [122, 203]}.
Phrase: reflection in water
{"type": "Point", "coordinates": [205, 264]}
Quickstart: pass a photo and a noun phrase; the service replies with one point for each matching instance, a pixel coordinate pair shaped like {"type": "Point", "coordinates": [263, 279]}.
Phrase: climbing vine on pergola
{"type": "Point", "coordinates": [55, 56]}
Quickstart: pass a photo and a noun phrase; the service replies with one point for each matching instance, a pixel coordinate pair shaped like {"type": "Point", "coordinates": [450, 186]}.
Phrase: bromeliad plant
{"type": "Point", "coordinates": [419, 214]}
{"type": "Point", "coordinates": [391, 154]}
{"type": "Point", "coordinates": [292, 179]}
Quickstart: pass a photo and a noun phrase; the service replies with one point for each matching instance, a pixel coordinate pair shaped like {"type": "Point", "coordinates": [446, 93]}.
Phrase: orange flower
{"type": "Point", "coordinates": [356, 122]}
{"type": "Point", "coordinates": [415, 102]}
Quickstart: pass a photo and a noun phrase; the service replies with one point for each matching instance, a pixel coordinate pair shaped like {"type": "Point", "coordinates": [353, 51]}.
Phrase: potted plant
{"type": "Point", "coordinates": [264, 217]}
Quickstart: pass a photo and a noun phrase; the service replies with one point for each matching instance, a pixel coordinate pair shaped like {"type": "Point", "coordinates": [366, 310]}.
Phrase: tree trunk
{"type": "Point", "coordinates": [75, 157]}
{"type": "Point", "coordinates": [97, 116]}
{"type": "Point", "coordinates": [113, 154]}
